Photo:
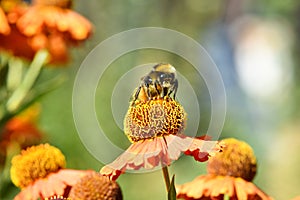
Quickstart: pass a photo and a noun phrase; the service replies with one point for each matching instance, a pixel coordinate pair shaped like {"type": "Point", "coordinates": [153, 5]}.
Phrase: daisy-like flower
{"type": "Point", "coordinates": [39, 172]}
{"type": "Point", "coordinates": [156, 128]}
{"type": "Point", "coordinates": [46, 24]}
{"type": "Point", "coordinates": [229, 174]}
{"type": "Point", "coordinates": [95, 187]}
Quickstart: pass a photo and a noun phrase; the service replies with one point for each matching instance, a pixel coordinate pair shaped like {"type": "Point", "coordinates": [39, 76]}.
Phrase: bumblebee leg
{"type": "Point", "coordinates": [136, 95]}
{"type": "Point", "coordinates": [148, 90]}
{"type": "Point", "coordinates": [175, 87]}
{"type": "Point", "coordinates": [156, 84]}
{"type": "Point", "coordinates": [165, 92]}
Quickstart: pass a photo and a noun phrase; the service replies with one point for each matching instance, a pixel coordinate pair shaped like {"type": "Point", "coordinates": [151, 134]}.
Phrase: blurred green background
{"type": "Point", "coordinates": [255, 45]}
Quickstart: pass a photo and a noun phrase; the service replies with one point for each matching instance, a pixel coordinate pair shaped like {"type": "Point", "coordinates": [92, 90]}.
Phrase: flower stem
{"type": "Point", "coordinates": [166, 177]}
{"type": "Point", "coordinates": [32, 74]}
{"type": "Point", "coordinates": [226, 197]}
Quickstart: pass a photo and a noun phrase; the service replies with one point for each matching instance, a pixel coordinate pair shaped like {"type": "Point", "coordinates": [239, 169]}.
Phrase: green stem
{"type": "Point", "coordinates": [34, 70]}
{"type": "Point", "coordinates": [166, 177]}
{"type": "Point", "coordinates": [14, 75]}
{"type": "Point", "coordinates": [226, 197]}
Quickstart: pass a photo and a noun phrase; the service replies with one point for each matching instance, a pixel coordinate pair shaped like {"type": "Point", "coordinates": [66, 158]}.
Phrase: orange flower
{"type": "Point", "coordinates": [155, 128]}
{"type": "Point", "coordinates": [47, 25]}
{"type": "Point", "coordinates": [229, 174]}
{"type": "Point", "coordinates": [21, 129]}
{"type": "Point", "coordinates": [39, 172]}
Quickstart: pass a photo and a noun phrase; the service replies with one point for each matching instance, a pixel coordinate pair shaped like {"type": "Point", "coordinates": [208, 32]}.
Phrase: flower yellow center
{"type": "Point", "coordinates": [34, 163]}
{"type": "Point", "coordinates": [154, 118]}
{"type": "Point", "coordinates": [95, 186]}
{"type": "Point", "coordinates": [237, 159]}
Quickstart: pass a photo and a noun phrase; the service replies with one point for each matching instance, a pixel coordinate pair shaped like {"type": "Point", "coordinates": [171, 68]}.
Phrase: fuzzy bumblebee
{"type": "Point", "coordinates": [160, 82]}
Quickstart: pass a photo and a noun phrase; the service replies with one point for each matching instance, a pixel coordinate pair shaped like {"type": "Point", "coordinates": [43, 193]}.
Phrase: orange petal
{"type": "Point", "coordinates": [62, 24]}
{"type": "Point", "coordinates": [4, 27]}
{"type": "Point", "coordinates": [38, 41]}
{"type": "Point", "coordinates": [51, 15]}
{"type": "Point", "coordinates": [58, 48]}
{"type": "Point", "coordinates": [79, 27]}
{"type": "Point", "coordinates": [193, 189]}
{"type": "Point", "coordinates": [201, 149]}
{"type": "Point", "coordinates": [111, 173]}
{"type": "Point", "coordinates": [31, 22]}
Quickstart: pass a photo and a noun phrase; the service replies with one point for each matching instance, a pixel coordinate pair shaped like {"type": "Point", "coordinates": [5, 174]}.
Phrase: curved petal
{"type": "Point", "coordinates": [159, 151]}
{"type": "Point", "coordinates": [4, 27]}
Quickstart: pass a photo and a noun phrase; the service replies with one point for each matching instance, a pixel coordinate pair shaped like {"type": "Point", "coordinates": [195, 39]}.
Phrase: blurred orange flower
{"type": "Point", "coordinates": [39, 172]}
{"type": "Point", "coordinates": [47, 25]}
{"type": "Point", "coordinates": [229, 174]}
{"type": "Point", "coordinates": [21, 130]}
{"type": "Point", "coordinates": [155, 128]}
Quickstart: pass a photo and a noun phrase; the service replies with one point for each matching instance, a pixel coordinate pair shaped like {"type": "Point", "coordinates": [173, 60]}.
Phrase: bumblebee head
{"type": "Point", "coordinates": [164, 68]}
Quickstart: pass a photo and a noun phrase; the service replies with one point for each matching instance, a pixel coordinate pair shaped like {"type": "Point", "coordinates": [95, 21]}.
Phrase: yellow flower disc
{"type": "Point", "coordinates": [153, 118]}
{"type": "Point", "coordinates": [94, 186]}
{"type": "Point", "coordinates": [34, 163]}
{"type": "Point", "coordinates": [237, 160]}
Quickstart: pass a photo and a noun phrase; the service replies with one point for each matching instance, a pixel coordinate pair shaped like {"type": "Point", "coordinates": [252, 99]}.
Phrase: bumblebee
{"type": "Point", "coordinates": [160, 82]}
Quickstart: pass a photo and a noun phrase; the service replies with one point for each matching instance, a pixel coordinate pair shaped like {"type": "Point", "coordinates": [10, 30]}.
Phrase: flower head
{"type": "Point", "coordinates": [237, 160]}
{"type": "Point", "coordinates": [34, 163]}
{"type": "Point", "coordinates": [95, 187]}
{"type": "Point", "coordinates": [229, 173]}
{"type": "Point", "coordinates": [39, 172]}
{"type": "Point", "coordinates": [159, 117]}
{"type": "Point", "coordinates": [155, 128]}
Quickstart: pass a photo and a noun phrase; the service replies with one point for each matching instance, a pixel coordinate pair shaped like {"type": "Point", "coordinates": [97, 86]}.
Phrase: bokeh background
{"type": "Point", "coordinates": [255, 45]}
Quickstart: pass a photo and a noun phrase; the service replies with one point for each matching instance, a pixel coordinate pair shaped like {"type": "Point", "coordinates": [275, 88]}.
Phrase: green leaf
{"type": "Point", "coordinates": [172, 191]}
